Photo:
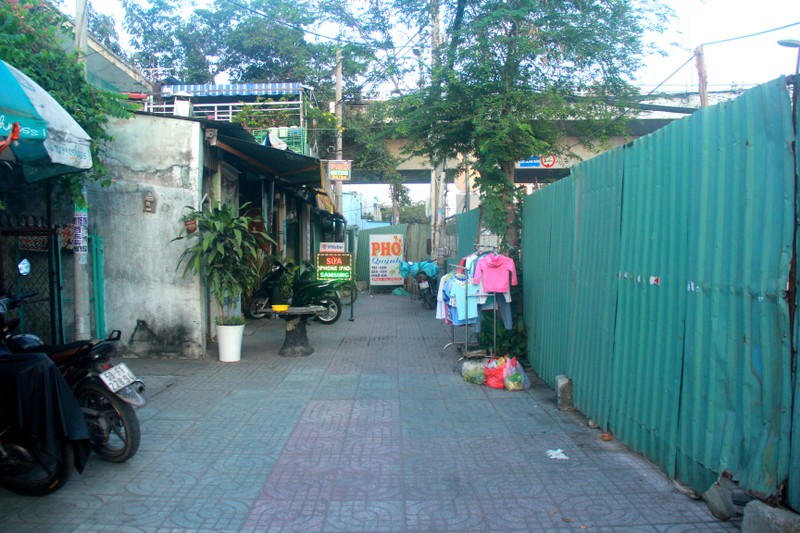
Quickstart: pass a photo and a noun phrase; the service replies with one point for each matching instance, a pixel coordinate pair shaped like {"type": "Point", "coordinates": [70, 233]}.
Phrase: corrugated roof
{"type": "Point", "coordinates": [232, 89]}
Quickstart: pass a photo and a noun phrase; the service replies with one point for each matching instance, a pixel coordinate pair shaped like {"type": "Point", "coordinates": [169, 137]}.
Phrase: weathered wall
{"type": "Point", "coordinates": [159, 312]}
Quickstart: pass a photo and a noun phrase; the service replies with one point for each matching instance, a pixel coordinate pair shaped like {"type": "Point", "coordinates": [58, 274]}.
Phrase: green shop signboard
{"type": "Point", "coordinates": [334, 266]}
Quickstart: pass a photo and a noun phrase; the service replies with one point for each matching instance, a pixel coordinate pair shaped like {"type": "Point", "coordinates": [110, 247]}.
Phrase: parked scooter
{"type": "Point", "coordinates": [424, 274]}
{"type": "Point", "coordinates": [306, 291]}
{"type": "Point", "coordinates": [106, 391]}
{"type": "Point", "coordinates": [427, 286]}
{"type": "Point", "coordinates": [267, 294]}
{"type": "Point", "coordinates": [43, 433]}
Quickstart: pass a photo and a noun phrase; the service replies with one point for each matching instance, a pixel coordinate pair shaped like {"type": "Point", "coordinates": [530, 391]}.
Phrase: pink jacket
{"type": "Point", "coordinates": [494, 270]}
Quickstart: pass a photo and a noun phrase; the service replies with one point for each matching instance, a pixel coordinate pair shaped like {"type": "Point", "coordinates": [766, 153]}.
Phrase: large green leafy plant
{"type": "Point", "coordinates": [225, 253]}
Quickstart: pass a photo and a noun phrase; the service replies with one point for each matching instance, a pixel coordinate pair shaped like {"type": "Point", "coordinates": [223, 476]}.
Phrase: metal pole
{"type": "Point", "coordinates": [81, 25]}
{"type": "Point", "coordinates": [338, 184]}
{"type": "Point", "coordinates": [80, 239]}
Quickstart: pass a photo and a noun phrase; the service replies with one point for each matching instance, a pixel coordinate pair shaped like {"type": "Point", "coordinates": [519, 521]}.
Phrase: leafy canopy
{"type": "Point", "coordinates": [511, 74]}
{"type": "Point", "coordinates": [32, 38]}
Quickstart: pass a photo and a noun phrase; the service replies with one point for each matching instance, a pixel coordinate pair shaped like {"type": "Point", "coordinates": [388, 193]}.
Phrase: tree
{"type": "Point", "coordinates": [278, 40]}
{"type": "Point", "coordinates": [103, 28]}
{"type": "Point", "coordinates": [408, 213]}
{"type": "Point", "coordinates": [368, 130]}
{"type": "Point", "coordinates": [512, 71]}
{"type": "Point", "coordinates": [31, 37]}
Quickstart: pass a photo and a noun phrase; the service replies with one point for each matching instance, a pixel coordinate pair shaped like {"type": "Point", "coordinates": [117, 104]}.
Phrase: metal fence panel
{"type": "Point", "coordinates": [793, 487]}
{"type": "Point", "coordinates": [468, 226]}
{"type": "Point", "coordinates": [648, 343]}
{"type": "Point", "coordinates": [417, 238]}
{"type": "Point", "coordinates": [595, 265]}
{"type": "Point", "coordinates": [737, 373]}
{"type": "Point", "coordinates": [699, 377]}
{"type": "Point", "coordinates": [548, 230]}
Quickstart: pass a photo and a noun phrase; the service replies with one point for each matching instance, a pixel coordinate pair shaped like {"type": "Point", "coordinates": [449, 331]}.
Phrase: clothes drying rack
{"type": "Point", "coordinates": [462, 347]}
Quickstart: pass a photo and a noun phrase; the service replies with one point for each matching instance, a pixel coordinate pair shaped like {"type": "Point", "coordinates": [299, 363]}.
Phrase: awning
{"type": "Point", "coordinates": [287, 167]}
{"type": "Point", "coordinates": [232, 89]}
{"type": "Point", "coordinates": [47, 141]}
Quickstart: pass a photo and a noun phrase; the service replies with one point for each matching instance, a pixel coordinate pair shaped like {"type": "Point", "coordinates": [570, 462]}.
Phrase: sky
{"type": "Point", "coordinates": [741, 63]}
{"type": "Point", "coordinates": [746, 61]}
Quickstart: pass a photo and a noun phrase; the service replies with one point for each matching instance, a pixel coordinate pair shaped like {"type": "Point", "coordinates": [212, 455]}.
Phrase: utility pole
{"type": "Point", "coordinates": [80, 237]}
{"type": "Point", "coordinates": [702, 75]}
{"type": "Point", "coordinates": [438, 174]}
{"type": "Point", "coordinates": [338, 184]}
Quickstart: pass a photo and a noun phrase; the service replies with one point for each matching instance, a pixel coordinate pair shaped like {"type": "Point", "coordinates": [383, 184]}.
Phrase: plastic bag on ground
{"type": "Point", "coordinates": [494, 370]}
{"type": "Point", "coordinates": [514, 376]}
{"type": "Point", "coordinates": [472, 372]}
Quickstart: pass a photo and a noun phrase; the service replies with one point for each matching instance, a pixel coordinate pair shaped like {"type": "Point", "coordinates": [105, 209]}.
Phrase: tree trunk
{"type": "Point", "coordinates": [512, 233]}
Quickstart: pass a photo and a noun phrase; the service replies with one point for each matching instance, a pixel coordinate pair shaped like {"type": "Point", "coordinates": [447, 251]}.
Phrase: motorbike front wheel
{"type": "Point", "coordinates": [256, 307]}
{"type": "Point", "coordinates": [113, 423]}
{"type": "Point", "coordinates": [332, 312]}
{"type": "Point", "coordinates": [26, 469]}
{"type": "Point", "coordinates": [347, 292]}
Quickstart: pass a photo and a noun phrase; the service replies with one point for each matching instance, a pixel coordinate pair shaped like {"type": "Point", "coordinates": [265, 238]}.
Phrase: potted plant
{"type": "Point", "coordinates": [189, 219]}
{"type": "Point", "coordinates": [224, 253]}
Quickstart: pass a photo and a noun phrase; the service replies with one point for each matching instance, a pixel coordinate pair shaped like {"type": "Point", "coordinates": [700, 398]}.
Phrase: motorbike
{"type": "Point", "coordinates": [267, 294]}
{"type": "Point", "coordinates": [43, 433]}
{"type": "Point", "coordinates": [424, 274]}
{"type": "Point", "coordinates": [427, 289]}
{"type": "Point", "coordinates": [306, 291]}
{"type": "Point", "coordinates": [107, 392]}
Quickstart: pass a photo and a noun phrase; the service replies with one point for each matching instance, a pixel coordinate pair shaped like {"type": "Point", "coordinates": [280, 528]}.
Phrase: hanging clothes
{"type": "Point", "coordinates": [497, 272]}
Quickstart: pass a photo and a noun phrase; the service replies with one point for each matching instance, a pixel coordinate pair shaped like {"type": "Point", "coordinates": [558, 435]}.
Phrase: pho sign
{"type": "Point", "coordinates": [335, 266]}
{"type": "Point", "coordinates": [339, 170]}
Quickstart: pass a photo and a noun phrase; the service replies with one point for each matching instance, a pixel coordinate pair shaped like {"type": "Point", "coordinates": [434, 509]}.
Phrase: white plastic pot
{"type": "Point", "coordinates": [229, 341]}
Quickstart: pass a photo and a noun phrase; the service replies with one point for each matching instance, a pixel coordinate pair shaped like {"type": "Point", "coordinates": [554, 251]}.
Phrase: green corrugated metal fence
{"type": "Point", "coordinates": [415, 245]}
{"type": "Point", "coordinates": [655, 278]}
{"type": "Point", "coordinates": [794, 460]}
{"type": "Point", "coordinates": [468, 228]}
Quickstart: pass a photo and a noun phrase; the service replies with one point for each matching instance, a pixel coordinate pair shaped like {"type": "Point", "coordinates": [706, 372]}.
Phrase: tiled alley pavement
{"type": "Point", "coordinates": [373, 432]}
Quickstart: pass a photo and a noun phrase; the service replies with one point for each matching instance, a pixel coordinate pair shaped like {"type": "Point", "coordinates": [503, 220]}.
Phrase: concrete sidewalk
{"type": "Point", "coordinates": [373, 432]}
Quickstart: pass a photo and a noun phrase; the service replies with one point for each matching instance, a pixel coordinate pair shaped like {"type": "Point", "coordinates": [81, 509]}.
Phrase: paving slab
{"type": "Point", "coordinates": [373, 432]}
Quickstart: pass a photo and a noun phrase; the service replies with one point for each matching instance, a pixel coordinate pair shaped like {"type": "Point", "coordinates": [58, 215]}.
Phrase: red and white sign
{"type": "Point", "coordinates": [548, 161]}
{"type": "Point", "coordinates": [385, 256]}
{"type": "Point", "coordinates": [331, 247]}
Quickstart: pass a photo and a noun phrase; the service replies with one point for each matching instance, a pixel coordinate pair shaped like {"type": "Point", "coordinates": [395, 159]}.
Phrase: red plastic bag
{"type": "Point", "coordinates": [495, 372]}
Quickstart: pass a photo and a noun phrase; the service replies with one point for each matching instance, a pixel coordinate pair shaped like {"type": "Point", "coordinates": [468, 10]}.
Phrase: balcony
{"type": "Point", "coordinates": [263, 103]}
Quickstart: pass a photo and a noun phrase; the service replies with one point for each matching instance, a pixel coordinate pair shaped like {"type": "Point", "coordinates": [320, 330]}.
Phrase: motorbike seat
{"type": "Point", "coordinates": [60, 353]}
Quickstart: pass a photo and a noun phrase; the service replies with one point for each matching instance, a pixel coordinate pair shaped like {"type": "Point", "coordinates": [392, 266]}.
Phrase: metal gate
{"type": "Point", "coordinates": [42, 314]}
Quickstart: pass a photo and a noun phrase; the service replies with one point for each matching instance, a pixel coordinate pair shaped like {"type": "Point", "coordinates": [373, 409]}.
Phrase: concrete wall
{"type": "Point", "coordinates": [159, 312]}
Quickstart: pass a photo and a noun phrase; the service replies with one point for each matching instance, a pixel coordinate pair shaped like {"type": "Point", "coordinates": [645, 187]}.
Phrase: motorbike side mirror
{"type": "Point", "coordinates": [24, 267]}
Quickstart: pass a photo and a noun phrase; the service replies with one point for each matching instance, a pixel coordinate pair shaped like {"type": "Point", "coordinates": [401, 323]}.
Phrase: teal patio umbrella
{"type": "Point", "coordinates": [36, 131]}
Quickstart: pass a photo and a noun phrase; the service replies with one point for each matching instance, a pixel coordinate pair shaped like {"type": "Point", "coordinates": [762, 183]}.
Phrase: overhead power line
{"type": "Point", "coordinates": [751, 34]}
